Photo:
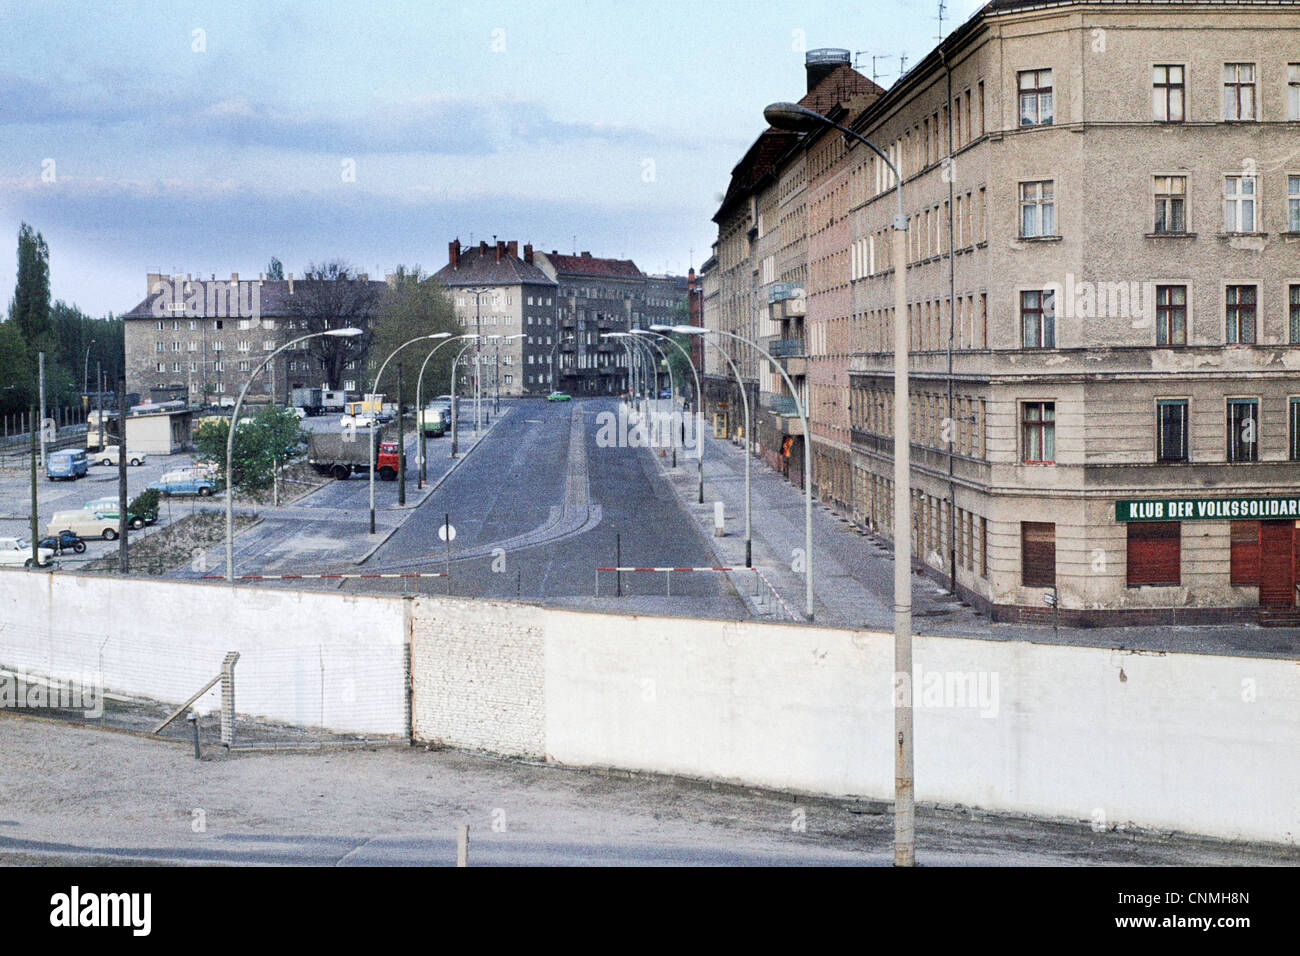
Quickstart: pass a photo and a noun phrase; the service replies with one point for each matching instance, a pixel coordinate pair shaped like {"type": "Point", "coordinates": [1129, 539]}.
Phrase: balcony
{"type": "Point", "coordinates": [786, 348]}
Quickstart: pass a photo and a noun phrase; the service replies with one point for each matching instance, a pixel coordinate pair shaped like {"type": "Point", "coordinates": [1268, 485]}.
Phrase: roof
{"type": "Point", "coordinates": [589, 265]}
{"type": "Point", "coordinates": [479, 266]}
{"type": "Point", "coordinates": [839, 88]}
{"type": "Point", "coordinates": [273, 300]}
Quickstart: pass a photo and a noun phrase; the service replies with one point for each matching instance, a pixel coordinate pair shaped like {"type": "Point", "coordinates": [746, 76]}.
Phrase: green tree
{"type": "Point", "coordinates": [30, 307]}
{"type": "Point", "coordinates": [268, 441]}
{"type": "Point", "coordinates": [415, 304]}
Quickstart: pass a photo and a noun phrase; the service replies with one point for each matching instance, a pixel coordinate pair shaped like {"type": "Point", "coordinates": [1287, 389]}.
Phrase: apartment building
{"type": "Point", "coordinates": [778, 229]}
{"type": "Point", "coordinates": [510, 301]}
{"type": "Point", "coordinates": [199, 340]}
{"type": "Point", "coordinates": [1103, 284]}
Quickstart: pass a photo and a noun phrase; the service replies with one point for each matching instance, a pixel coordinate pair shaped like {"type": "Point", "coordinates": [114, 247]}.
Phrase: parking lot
{"type": "Point", "coordinates": [99, 482]}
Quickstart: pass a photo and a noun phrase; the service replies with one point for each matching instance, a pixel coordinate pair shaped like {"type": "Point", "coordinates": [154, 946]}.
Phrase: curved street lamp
{"type": "Point", "coordinates": [455, 401]}
{"type": "Point", "coordinates": [792, 116]}
{"type": "Point", "coordinates": [644, 338]}
{"type": "Point", "coordinates": [234, 423]}
{"type": "Point", "coordinates": [699, 402]}
{"type": "Point", "coordinates": [375, 414]}
{"type": "Point", "coordinates": [419, 385]}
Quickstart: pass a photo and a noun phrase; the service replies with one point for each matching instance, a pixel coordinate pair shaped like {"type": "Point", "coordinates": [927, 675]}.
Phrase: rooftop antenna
{"type": "Point", "coordinates": [943, 8]}
{"type": "Point", "coordinates": [902, 65]}
{"type": "Point", "coordinates": [875, 60]}
{"type": "Point", "coordinates": [575, 245]}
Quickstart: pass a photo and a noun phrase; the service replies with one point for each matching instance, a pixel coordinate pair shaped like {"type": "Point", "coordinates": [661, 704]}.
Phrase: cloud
{"type": "Point", "coordinates": [440, 125]}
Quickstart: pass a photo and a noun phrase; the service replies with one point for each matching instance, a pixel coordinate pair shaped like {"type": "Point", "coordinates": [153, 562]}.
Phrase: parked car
{"type": "Point", "coordinates": [62, 542]}
{"type": "Point", "coordinates": [84, 524]}
{"type": "Point", "coordinates": [182, 484]}
{"type": "Point", "coordinates": [665, 393]}
{"type": "Point", "coordinates": [16, 551]}
{"type": "Point", "coordinates": [363, 420]}
{"type": "Point", "coordinates": [557, 397]}
{"type": "Point", "coordinates": [110, 454]}
{"type": "Point", "coordinates": [68, 465]}
{"type": "Point", "coordinates": [108, 507]}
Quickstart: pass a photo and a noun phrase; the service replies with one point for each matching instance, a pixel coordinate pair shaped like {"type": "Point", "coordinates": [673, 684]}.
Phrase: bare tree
{"type": "Point", "coordinates": [331, 296]}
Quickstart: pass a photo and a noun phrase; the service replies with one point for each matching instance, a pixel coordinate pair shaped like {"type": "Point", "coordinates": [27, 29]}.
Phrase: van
{"type": "Point", "coordinates": [110, 454]}
{"type": "Point", "coordinates": [66, 465]}
{"type": "Point", "coordinates": [84, 524]}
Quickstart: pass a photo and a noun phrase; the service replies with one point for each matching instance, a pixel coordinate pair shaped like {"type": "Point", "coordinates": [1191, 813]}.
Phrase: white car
{"type": "Point", "coordinates": [110, 455]}
{"type": "Point", "coordinates": [356, 421]}
{"type": "Point", "coordinates": [16, 552]}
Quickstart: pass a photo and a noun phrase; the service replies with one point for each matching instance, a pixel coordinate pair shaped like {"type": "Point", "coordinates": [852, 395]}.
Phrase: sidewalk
{"type": "Point", "coordinates": [853, 571]}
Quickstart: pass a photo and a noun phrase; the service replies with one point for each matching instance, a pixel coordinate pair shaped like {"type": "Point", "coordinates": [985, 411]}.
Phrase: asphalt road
{"type": "Point", "coordinates": [539, 505]}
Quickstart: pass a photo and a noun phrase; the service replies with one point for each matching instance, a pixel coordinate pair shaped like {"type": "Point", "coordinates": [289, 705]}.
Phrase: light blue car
{"type": "Point", "coordinates": [183, 485]}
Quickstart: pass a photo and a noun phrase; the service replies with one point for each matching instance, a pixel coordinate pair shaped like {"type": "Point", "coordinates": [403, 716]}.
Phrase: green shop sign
{"type": "Point", "coordinates": [1207, 509]}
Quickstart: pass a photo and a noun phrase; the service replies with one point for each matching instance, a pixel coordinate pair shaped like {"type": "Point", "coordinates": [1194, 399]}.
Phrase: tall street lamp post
{"type": "Point", "coordinates": [455, 400]}
{"type": "Point", "coordinates": [646, 338]}
{"type": "Point", "coordinates": [791, 116]}
{"type": "Point", "coordinates": [419, 392]}
{"type": "Point", "coordinates": [699, 401]}
{"type": "Point", "coordinates": [375, 413]}
{"type": "Point", "coordinates": [230, 436]}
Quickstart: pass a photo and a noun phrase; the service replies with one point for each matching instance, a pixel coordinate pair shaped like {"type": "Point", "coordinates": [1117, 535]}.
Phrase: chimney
{"type": "Point", "coordinates": [153, 279]}
{"type": "Point", "coordinates": [512, 249]}
{"type": "Point", "coordinates": [453, 253]}
{"type": "Point", "coordinates": [291, 283]}
{"type": "Point", "coordinates": [586, 255]}
{"type": "Point", "coordinates": [820, 64]}
{"type": "Point", "coordinates": [501, 249]}
{"type": "Point", "coordinates": [528, 253]}
{"type": "Point", "coordinates": [482, 247]}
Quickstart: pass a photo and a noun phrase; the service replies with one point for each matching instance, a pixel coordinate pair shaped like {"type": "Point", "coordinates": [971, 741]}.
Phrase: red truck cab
{"type": "Point", "coordinates": [386, 462]}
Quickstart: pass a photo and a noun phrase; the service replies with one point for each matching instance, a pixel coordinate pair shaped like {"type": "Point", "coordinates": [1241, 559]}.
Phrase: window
{"type": "Point", "coordinates": [1238, 91]}
{"type": "Point", "coordinates": [1153, 553]}
{"type": "Point", "coordinates": [1037, 209]}
{"type": "Point", "coordinates": [1171, 204]}
{"type": "Point", "coordinates": [1293, 91]}
{"type": "Point", "coordinates": [1239, 204]}
{"type": "Point", "coordinates": [1240, 307]}
{"type": "Point", "coordinates": [1038, 319]}
{"type": "Point", "coordinates": [1171, 315]}
{"type": "Point", "coordinates": [1294, 300]}
{"type": "Point", "coordinates": [1038, 554]}
{"type": "Point", "coordinates": [160, 347]}
{"type": "Point", "coordinates": [1244, 554]}
{"type": "Point", "coordinates": [1038, 432]}
{"type": "Point", "coordinates": [1168, 94]}
{"type": "Point", "coordinates": [1293, 203]}
{"type": "Point", "coordinates": [1035, 97]}
{"type": "Point", "coordinates": [1293, 410]}
{"type": "Point", "coordinates": [244, 366]}
{"type": "Point", "coordinates": [161, 367]}
{"type": "Point", "coordinates": [1171, 429]}
{"type": "Point", "coordinates": [1243, 423]}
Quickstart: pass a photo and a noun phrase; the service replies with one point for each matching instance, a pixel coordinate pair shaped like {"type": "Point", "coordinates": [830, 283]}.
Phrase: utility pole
{"type": "Point", "coordinates": [99, 398]}
{"type": "Point", "coordinates": [401, 440]}
{"type": "Point", "coordinates": [35, 537]}
{"type": "Point", "coordinates": [123, 525]}
{"type": "Point", "coordinates": [41, 422]}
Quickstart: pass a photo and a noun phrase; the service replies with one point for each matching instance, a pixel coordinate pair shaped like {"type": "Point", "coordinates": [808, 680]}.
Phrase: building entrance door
{"type": "Point", "coordinates": [1276, 564]}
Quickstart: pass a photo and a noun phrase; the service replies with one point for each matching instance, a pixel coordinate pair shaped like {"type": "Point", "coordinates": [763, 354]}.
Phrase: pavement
{"type": "Point", "coordinates": [152, 801]}
{"type": "Point", "coordinates": [853, 571]}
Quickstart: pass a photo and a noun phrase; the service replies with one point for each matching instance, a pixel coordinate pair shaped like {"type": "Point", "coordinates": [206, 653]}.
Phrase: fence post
{"type": "Point", "coordinates": [228, 699]}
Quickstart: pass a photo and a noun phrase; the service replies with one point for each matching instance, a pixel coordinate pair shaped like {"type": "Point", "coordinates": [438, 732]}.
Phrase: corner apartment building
{"type": "Point", "coordinates": [1103, 278]}
{"type": "Point", "coordinates": [497, 292]}
{"type": "Point", "coordinates": [198, 340]}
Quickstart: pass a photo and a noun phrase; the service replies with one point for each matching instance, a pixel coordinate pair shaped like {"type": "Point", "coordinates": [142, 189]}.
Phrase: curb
{"type": "Point", "coordinates": [411, 509]}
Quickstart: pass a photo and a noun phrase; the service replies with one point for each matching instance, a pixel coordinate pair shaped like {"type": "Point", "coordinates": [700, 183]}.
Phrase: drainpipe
{"type": "Point", "coordinates": [952, 317]}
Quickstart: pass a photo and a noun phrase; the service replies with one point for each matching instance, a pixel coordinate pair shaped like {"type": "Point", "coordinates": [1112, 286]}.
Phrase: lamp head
{"type": "Point", "coordinates": [793, 117]}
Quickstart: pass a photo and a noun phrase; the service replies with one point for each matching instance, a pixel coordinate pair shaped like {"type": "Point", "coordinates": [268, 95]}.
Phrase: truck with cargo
{"type": "Point", "coordinates": [342, 454]}
{"type": "Point", "coordinates": [333, 400]}
{"type": "Point", "coordinates": [310, 400]}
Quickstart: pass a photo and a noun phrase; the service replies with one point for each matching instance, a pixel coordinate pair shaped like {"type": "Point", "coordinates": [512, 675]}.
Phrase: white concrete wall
{"type": "Point", "coordinates": [319, 659]}
{"type": "Point", "coordinates": [1187, 742]}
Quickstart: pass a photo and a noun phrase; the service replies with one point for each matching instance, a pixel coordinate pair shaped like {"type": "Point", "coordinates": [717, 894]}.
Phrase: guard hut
{"type": "Point", "coordinates": [160, 428]}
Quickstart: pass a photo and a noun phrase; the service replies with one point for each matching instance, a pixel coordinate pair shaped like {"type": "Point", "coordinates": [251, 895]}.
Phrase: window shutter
{"type": "Point", "coordinates": [1154, 552]}
{"type": "Point", "coordinates": [1038, 554]}
{"type": "Point", "coordinates": [1244, 554]}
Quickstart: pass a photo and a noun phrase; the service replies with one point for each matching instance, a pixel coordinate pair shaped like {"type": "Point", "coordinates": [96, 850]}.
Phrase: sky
{"type": "Point", "coordinates": [201, 138]}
